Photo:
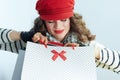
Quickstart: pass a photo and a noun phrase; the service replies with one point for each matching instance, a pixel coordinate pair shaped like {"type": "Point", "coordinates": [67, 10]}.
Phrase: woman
{"type": "Point", "coordinates": [58, 23]}
{"type": "Point", "coordinates": [105, 57]}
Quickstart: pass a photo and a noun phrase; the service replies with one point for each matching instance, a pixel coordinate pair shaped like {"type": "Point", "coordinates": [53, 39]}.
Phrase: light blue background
{"type": "Point", "coordinates": [102, 17]}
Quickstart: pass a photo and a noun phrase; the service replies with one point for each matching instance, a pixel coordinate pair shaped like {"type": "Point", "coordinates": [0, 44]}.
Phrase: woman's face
{"type": "Point", "coordinates": [58, 28]}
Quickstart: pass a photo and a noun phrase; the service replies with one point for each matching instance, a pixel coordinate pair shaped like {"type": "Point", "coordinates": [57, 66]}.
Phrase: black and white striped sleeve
{"type": "Point", "coordinates": [110, 58]}
{"type": "Point", "coordinates": [4, 36]}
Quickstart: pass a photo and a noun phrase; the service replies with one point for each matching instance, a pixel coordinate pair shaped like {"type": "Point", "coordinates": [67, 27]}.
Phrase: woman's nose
{"type": "Point", "coordinates": [58, 24]}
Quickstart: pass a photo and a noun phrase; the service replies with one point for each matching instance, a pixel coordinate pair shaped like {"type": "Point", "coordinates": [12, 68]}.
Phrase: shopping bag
{"type": "Point", "coordinates": [58, 63]}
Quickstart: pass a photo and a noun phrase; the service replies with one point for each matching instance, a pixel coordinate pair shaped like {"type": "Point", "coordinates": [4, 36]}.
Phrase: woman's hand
{"type": "Point", "coordinates": [71, 44]}
{"type": "Point", "coordinates": [39, 37]}
{"type": "Point", "coordinates": [97, 53]}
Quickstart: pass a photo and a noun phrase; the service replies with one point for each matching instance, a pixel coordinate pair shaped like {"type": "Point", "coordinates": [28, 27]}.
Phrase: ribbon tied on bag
{"type": "Point", "coordinates": [56, 54]}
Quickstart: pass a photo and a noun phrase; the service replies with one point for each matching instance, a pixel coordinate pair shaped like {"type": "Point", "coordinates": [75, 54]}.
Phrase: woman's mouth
{"type": "Point", "coordinates": [58, 31]}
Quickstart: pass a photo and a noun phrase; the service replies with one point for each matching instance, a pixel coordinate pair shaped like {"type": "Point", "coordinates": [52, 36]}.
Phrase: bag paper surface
{"type": "Point", "coordinates": [58, 63]}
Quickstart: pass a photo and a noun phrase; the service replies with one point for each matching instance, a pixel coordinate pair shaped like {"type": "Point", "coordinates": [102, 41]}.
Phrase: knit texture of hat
{"type": "Point", "coordinates": [55, 9]}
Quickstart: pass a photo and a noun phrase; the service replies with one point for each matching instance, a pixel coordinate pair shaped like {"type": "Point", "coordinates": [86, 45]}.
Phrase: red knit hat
{"type": "Point", "coordinates": [55, 9]}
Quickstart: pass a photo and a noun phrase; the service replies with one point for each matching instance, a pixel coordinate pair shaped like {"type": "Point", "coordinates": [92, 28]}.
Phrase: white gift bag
{"type": "Point", "coordinates": [58, 63]}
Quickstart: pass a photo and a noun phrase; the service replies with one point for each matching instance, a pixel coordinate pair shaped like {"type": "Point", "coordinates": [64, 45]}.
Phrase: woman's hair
{"type": "Point", "coordinates": [77, 25]}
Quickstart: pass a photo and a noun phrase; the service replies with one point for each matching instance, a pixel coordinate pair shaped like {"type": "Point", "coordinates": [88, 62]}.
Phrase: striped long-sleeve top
{"type": "Point", "coordinates": [9, 45]}
{"type": "Point", "coordinates": [109, 59]}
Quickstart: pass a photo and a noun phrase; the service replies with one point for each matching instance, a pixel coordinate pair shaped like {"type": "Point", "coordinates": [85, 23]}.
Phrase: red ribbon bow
{"type": "Point", "coordinates": [56, 54]}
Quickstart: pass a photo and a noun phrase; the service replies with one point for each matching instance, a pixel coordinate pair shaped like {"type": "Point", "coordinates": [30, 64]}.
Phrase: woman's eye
{"type": "Point", "coordinates": [50, 22]}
